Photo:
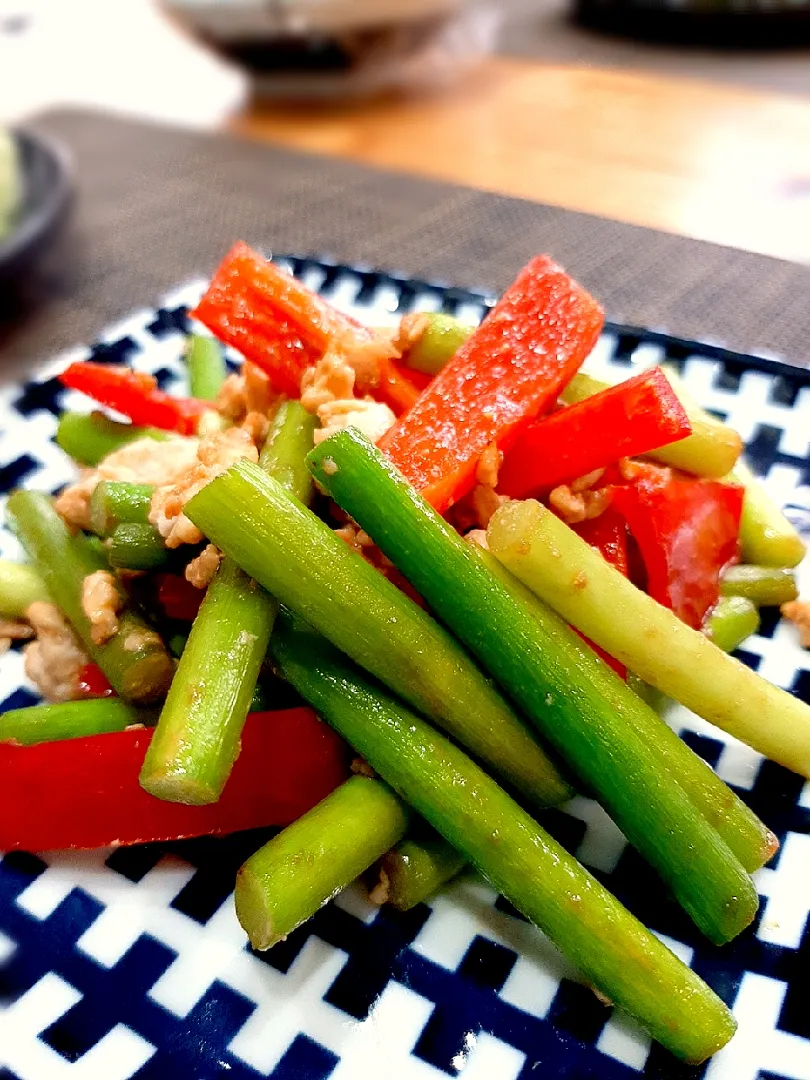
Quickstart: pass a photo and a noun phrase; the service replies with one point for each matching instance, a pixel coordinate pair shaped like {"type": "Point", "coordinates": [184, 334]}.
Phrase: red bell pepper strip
{"type": "Point", "coordinates": [397, 387]}
{"type": "Point", "coordinates": [509, 370]}
{"type": "Point", "coordinates": [178, 597]}
{"type": "Point", "coordinates": [283, 327]}
{"type": "Point", "coordinates": [632, 418]}
{"type": "Point", "coordinates": [608, 534]}
{"type": "Point", "coordinates": [84, 793]}
{"type": "Point", "coordinates": [688, 533]}
{"type": "Point", "coordinates": [93, 682]}
{"type": "Point", "coordinates": [135, 394]}
{"type": "Point", "coordinates": [244, 307]}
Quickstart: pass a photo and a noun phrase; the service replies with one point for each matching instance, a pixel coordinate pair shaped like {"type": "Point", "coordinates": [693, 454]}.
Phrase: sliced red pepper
{"type": "Point", "coordinates": [634, 417]}
{"type": "Point", "coordinates": [93, 682]}
{"type": "Point", "coordinates": [398, 387]}
{"type": "Point", "coordinates": [283, 327]}
{"type": "Point", "coordinates": [608, 534]}
{"type": "Point", "coordinates": [135, 394]}
{"type": "Point", "coordinates": [178, 597]}
{"type": "Point", "coordinates": [84, 793]}
{"type": "Point", "coordinates": [243, 307]}
{"type": "Point", "coordinates": [511, 369]}
{"type": "Point", "coordinates": [687, 532]}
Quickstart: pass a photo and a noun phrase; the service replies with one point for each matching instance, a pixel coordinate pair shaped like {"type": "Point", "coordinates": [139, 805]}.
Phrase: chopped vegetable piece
{"type": "Point", "coordinates": [197, 738]}
{"type": "Point", "coordinates": [206, 367]}
{"type": "Point", "coordinates": [620, 749]}
{"type": "Point", "coordinates": [259, 310]}
{"type": "Point", "coordinates": [308, 863]}
{"type": "Point", "coordinates": [20, 587]}
{"type": "Point", "coordinates": [650, 639]}
{"type": "Point", "coordinates": [615, 953]}
{"type": "Point", "coordinates": [134, 659]}
{"type": "Point", "coordinates": [394, 385]}
{"type": "Point", "coordinates": [179, 598]}
{"type": "Point", "coordinates": [307, 567]}
{"type": "Point", "coordinates": [248, 287]}
{"type": "Point", "coordinates": [687, 532]}
{"type": "Point", "coordinates": [283, 327]}
{"type": "Point", "coordinates": [285, 450]}
{"type": "Point", "coordinates": [116, 502]}
{"type": "Point", "coordinates": [84, 793]}
{"type": "Point", "coordinates": [94, 683]}
{"type": "Point", "coordinates": [137, 547]}
{"type": "Point", "coordinates": [733, 620]}
{"type": "Point", "coordinates": [90, 437]}
{"type": "Point", "coordinates": [415, 870]}
{"type": "Point", "coordinates": [68, 720]}
{"type": "Point", "coordinates": [711, 449]}
{"type": "Point", "coordinates": [511, 369]}
{"type": "Point", "coordinates": [135, 394]}
{"type": "Point", "coordinates": [438, 344]}
{"type": "Point", "coordinates": [631, 418]}
{"type": "Point", "coordinates": [766, 535]}
{"type": "Point", "coordinates": [766, 586]}
{"type": "Point", "coordinates": [607, 534]}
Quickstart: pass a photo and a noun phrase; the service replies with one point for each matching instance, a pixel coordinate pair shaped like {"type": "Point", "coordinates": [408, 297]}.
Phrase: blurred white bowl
{"type": "Point", "coordinates": [241, 19]}
{"type": "Point", "coordinates": [343, 48]}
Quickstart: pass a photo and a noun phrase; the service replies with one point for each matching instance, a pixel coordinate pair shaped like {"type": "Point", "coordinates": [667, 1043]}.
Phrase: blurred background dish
{"type": "Point", "coordinates": [35, 193]}
{"type": "Point", "coordinates": [343, 48]}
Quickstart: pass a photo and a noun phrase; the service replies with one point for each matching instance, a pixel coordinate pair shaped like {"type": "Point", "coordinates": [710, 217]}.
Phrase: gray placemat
{"type": "Point", "coordinates": [157, 206]}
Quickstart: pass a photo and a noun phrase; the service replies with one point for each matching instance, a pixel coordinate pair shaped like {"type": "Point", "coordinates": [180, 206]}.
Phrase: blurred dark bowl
{"type": "Point", "coordinates": [748, 25]}
{"type": "Point", "coordinates": [47, 189]}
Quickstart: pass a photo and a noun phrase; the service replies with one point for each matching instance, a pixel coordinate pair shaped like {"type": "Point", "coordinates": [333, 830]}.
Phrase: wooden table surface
{"type": "Point", "coordinates": [715, 162]}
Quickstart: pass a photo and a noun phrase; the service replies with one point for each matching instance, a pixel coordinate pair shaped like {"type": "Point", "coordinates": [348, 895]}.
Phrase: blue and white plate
{"type": "Point", "coordinates": [130, 963]}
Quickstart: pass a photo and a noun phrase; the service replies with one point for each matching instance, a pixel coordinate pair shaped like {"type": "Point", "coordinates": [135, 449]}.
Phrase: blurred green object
{"type": "Point", "coordinates": [10, 186]}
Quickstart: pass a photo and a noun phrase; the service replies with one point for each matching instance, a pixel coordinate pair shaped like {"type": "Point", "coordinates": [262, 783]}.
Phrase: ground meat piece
{"type": "Point", "coordinates": [485, 501]}
{"type": "Point", "coordinates": [73, 504]}
{"type": "Point", "coordinates": [248, 392]}
{"type": "Point", "coordinates": [101, 602]}
{"type": "Point", "coordinates": [630, 470]}
{"type": "Point", "coordinates": [410, 330]}
{"type": "Point", "coordinates": [142, 639]}
{"type": "Point", "coordinates": [145, 461]}
{"type": "Point", "coordinates": [215, 453]}
{"type": "Point", "coordinates": [331, 379]}
{"type": "Point", "coordinates": [573, 507]}
{"type": "Point", "coordinates": [373, 418]}
{"type": "Point", "coordinates": [15, 630]}
{"type": "Point", "coordinates": [200, 571]}
{"type": "Point", "coordinates": [379, 893]}
{"type": "Point", "coordinates": [355, 537]}
{"type": "Point", "coordinates": [476, 508]}
{"type": "Point", "coordinates": [798, 612]}
{"type": "Point", "coordinates": [256, 425]}
{"type": "Point", "coordinates": [347, 360]}
{"type": "Point", "coordinates": [360, 767]}
{"type": "Point", "coordinates": [230, 399]}
{"type": "Point", "coordinates": [490, 461]}
{"type": "Point", "coordinates": [479, 537]}
{"type": "Point", "coordinates": [55, 660]}
{"type": "Point", "coordinates": [586, 482]}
